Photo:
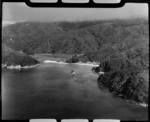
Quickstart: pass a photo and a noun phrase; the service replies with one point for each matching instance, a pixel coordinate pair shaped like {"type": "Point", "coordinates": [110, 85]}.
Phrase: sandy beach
{"type": "Point", "coordinates": [80, 63]}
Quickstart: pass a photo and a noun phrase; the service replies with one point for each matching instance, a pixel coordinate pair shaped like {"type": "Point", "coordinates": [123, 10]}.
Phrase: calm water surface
{"type": "Point", "coordinates": [50, 91]}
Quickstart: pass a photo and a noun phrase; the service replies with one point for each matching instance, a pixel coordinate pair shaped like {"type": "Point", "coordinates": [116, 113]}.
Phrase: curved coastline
{"type": "Point", "coordinates": [18, 67]}
{"type": "Point", "coordinates": [79, 63]}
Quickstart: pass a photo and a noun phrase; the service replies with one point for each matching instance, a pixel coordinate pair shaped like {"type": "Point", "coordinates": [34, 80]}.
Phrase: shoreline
{"type": "Point", "coordinates": [143, 104]}
{"type": "Point", "coordinates": [137, 103]}
{"type": "Point", "coordinates": [79, 63]}
{"type": "Point", "coordinates": [18, 67]}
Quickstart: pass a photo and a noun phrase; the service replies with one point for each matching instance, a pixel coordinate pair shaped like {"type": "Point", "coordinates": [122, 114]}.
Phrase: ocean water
{"type": "Point", "coordinates": [51, 91]}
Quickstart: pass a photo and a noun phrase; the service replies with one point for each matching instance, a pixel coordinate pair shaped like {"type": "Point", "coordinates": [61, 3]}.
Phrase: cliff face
{"type": "Point", "coordinates": [125, 80]}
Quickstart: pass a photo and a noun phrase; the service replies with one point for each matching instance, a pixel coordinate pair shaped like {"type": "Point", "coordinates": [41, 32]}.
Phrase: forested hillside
{"type": "Point", "coordinates": [11, 57]}
{"type": "Point", "coordinates": [125, 79]}
{"type": "Point", "coordinates": [121, 46]}
{"type": "Point", "coordinates": [96, 40]}
{"type": "Point", "coordinates": [76, 37]}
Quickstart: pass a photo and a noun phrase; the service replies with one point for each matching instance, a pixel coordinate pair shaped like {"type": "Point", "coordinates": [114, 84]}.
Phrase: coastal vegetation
{"type": "Point", "coordinates": [73, 59]}
{"type": "Point", "coordinates": [89, 38]}
{"type": "Point", "coordinates": [16, 59]}
{"type": "Point", "coordinates": [124, 79]}
{"type": "Point", "coordinates": [121, 47]}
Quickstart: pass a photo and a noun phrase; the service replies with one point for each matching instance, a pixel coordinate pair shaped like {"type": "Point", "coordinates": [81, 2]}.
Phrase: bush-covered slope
{"type": "Point", "coordinates": [121, 47]}
{"type": "Point", "coordinates": [125, 79]}
{"type": "Point", "coordinates": [75, 37]}
{"type": "Point", "coordinates": [97, 40]}
{"type": "Point", "coordinates": [14, 58]}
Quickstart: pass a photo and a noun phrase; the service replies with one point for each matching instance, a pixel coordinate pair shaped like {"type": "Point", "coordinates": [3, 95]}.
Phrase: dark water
{"type": "Point", "coordinates": [50, 91]}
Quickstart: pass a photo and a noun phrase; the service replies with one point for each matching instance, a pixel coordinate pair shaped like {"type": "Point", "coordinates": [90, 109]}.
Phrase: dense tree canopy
{"type": "Point", "coordinates": [121, 47]}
